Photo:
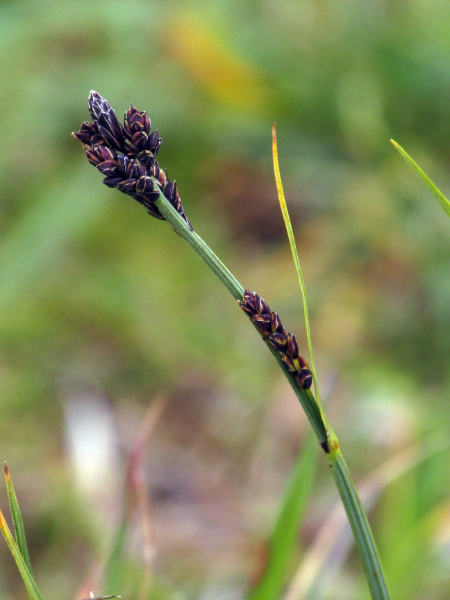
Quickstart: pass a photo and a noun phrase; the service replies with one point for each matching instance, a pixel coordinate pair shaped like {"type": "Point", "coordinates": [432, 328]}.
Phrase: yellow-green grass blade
{"type": "Point", "coordinates": [293, 245]}
{"type": "Point", "coordinates": [27, 577]}
{"type": "Point", "coordinates": [347, 490]}
{"type": "Point", "coordinates": [19, 529]}
{"type": "Point", "coordinates": [443, 201]}
{"type": "Point", "coordinates": [282, 541]}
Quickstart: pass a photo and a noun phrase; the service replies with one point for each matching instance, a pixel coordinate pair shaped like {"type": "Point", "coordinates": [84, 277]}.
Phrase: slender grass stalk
{"type": "Point", "coordinates": [283, 539]}
{"type": "Point", "coordinates": [344, 483]}
{"type": "Point", "coordinates": [328, 440]}
{"type": "Point", "coordinates": [360, 526]}
{"type": "Point", "coordinates": [443, 201]}
{"type": "Point", "coordinates": [27, 577]}
{"type": "Point", "coordinates": [19, 529]}
{"type": "Point", "coordinates": [293, 245]}
{"type": "Point", "coordinates": [18, 546]}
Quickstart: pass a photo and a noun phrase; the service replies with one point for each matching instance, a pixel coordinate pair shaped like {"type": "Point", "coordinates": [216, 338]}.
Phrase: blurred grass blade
{"type": "Point", "coordinates": [283, 538]}
{"type": "Point", "coordinates": [290, 233]}
{"type": "Point", "coordinates": [443, 201]}
{"type": "Point", "coordinates": [29, 249]}
{"type": "Point", "coordinates": [113, 574]}
{"type": "Point", "coordinates": [17, 520]}
{"type": "Point", "coordinates": [333, 541]}
{"type": "Point", "coordinates": [27, 577]}
{"type": "Point", "coordinates": [136, 487]}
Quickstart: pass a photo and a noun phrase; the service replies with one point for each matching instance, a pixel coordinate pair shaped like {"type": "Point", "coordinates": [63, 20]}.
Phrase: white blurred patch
{"type": "Point", "coordinates": [92, 442]}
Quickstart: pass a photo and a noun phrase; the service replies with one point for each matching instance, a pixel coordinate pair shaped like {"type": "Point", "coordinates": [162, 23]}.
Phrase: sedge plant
{"type": "Point", "coordinates": [126, 156]}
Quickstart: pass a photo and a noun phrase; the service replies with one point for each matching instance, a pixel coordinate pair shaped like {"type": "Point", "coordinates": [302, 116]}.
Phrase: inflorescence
{"type": "Point", "coordinates": [126, 155]}
{"type": "Point", "coordinates": [270, 327]}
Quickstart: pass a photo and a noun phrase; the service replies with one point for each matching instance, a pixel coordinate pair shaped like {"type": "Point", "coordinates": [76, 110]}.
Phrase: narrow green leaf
{"type": "Point", "coordinates": [113, 575]}
{"type": "Point", "coordinates": [293, 245]}
{"type": "Point", "coordinates": [283, 538]}
{"type": "Point", "coordinates": [27, 577]}
{"type": "Point", "coordinates": [347, 490]}
{"type": "Point", "coordinates": [443, 201]}
{"type": "Point", "coordinates": [28, 250]}
{"type": "Point", "coordinates": [19, 529]}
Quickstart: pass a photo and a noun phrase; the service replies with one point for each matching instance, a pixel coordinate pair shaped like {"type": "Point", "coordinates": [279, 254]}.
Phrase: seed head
{"type": "Point", "coordinates": [269, 325]}
{"type": "Point", "coordinates": [125, 154]}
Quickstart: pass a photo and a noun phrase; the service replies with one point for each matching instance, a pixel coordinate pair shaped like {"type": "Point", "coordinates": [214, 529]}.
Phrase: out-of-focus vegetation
{"type": "Point", "coordinates": [120, 352]}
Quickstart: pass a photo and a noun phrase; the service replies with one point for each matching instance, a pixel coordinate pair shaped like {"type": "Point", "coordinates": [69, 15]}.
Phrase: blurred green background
{"type": "Point", "coordinates": [119, 350]}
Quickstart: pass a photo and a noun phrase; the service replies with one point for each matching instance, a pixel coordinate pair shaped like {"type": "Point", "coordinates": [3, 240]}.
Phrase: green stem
{"type": "Point", "coordinates": [325, 435]}
{"type": "Point", "coordinates": [237, 291]}
{"type": "Point", "coordinates": [360, 526]}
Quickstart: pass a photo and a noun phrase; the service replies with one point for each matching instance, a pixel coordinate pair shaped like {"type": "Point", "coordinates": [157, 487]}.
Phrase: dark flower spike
{"type": "Point", "coordinates": [269, 325]}
{"type": "Point", "coordinates": [126, 155]}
